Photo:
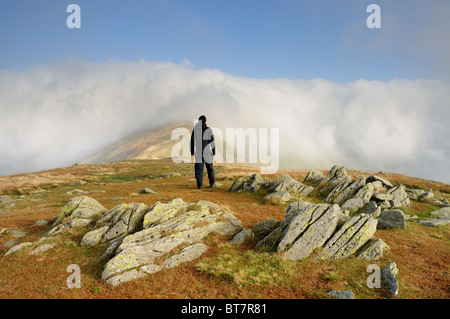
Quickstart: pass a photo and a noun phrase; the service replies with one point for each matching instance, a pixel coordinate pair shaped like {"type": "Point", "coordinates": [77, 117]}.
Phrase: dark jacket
{"type": "Point", "coordinates": [206, 139]}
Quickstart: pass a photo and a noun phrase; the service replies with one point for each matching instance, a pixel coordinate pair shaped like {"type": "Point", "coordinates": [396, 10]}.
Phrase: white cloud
{"type": "Point", "coordinates": [60, 113]}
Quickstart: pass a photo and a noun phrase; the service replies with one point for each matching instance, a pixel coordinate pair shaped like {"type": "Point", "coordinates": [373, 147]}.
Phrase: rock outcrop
{"type": "Point", "coordinates": [338, 188]}
{"type": "Point", "coordinates": [309, 226]}
{"type": "Point", "coordinates": [140, 239]}
{"type": "Point", "coordinates": [281, 190]}
{"type": "Point", "coordinates": [350, 237]}
{"type": "Point", "coordinates": [80, 211]}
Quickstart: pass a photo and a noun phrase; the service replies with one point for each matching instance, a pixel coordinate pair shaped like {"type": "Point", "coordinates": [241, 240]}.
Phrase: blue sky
{"type": "Point", "coordinates": [252, 38]}
{"type": "Point", "coordinates": [340, 93]}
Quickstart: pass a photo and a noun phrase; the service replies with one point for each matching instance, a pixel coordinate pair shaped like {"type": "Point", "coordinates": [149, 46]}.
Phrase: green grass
{"type": "Point", "coordinates": [249, 268]}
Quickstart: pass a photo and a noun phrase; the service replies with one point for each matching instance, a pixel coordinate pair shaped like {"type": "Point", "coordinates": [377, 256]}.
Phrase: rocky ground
{"type": "Point", "coordinates": [144, 224]}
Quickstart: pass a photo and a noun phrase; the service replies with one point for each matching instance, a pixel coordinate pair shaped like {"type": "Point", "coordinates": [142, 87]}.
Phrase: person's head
{"type": "Point", "coordinates": [203, 119]}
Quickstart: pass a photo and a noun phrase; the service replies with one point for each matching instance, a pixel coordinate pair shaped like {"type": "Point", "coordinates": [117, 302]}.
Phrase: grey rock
{"type": "Point", "coordinates": [382, 196]}
{"type": "Point", "coordinates": [400, 197]}
{"type": "Point", "coordinates": [16, 233]}
{"type": "Point", "coordinates": [371, 208]}
{"type": "Point", "coordinates": [187, 254]}
{"type": "Point", "coordinates": [426, 196]}
{"type": "Point", "coordinates": [319, 228]}
{"type": "Point", "coordinates": [81, 207]}
{"type": "Point", "coordinates": [11, 243]}
{"type": "Point", "coordinates": [336, 176]}
{"type": "Point", "coordinates": [264, 227]}
{"type": "Point", "coordinates": [237, 185]}
{"type": "Point", "coordinates": [278, 197]}
{"type": "Point", "coordinates": [42, 248]}
{"type": "Point", "coordinates": [314, 175]}
{"type": "Point", "coordinates": [384, 204]}
{"type": "Point", "coordinates": [389, 274]}
{"type": "Point", "coordinates": [305, 228]}
{"type": "Point", "coordinates": [350, 237]}
{"type": "Point", "coordinates": [353, 204]}
{"type": "Point", "coordinates": [442, 213]}
{"type": "Point", "coordinates": [346, 194]}
{"type": "Point", "coordinates": [147, 191]}
{"type": "Point", "coordinates": [391, 219]}
{"type": "Point", "coordinates": [41, 223]}
{"type": "Point", "coordinates": [163, 230]}
{"type": "Point", "coordinates": [94, 237]}
{"type": "Point", "coordinates": [17, 248]}
{"type": "Point", "coordinates": [242, 236]}
{"type": "Point", "coordinates": [372, 250]}
{"type": "Point", "coordinates": [434, 222]}
{"type": "Point", "coordinates": [374, 178]}
{"type": "Point", "coordinates": [346, 294]}
{"type": "Point", "coordinates": [79, 183]}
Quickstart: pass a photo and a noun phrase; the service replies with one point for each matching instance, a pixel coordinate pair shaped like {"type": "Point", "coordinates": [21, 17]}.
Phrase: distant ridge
{"type": "Point", "coordinates": [154, 143]}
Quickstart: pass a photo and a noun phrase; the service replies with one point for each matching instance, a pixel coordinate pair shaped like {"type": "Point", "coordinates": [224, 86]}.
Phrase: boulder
{"type": "Point", "coordinates": [441, 213]}
{"type": "Point", "coordinates": [264, 227]}
{"type": "Point", "coordinates": [340, 196]}
{"type": "Point", "coordinates": [251, 184]}
{"type": "Point", "coordinates": [382, 196]}
{"type": "Point", "coordinates": [426, 196]}
{"type": "Point", "coordinates": [279, 197]}
{"type": "Point", "coordinates": [365, 192]}
{"type": "Point", "coordinates": [389, 274]}
{"type": "Point", "coordinates": [399, 196]}
{"type": "Point", "coordinates": [391, 219]}
{"type": "Point", "coordinates": [350, 237]}
{"type": "Point", "coordinates": [353, 204]}
{"type": "Point", "coordinates": [371, 208]}
{"type": "Point", "coordinates": [78, 212]}
{"type": "Point", "coordinates": [372, 250]}
{"type": "Point", "coordinates": [288, 184]}
{"type": "Point", "coordinates": [336, 176]}
{"type": "Point", "coordinates": [242, 236]}
{"type": "Point", "coordinates": [374, 178]}
{"type": "Point", "coordinates": [162, 240]}
{"type": "Point", "coordinates": [314, 175]}
{"type": "Point", "coordinates": [305, 228]}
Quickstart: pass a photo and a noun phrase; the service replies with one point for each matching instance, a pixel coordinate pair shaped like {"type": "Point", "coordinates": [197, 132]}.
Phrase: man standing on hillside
{"type": "Point", "coordinates": [202, 145]}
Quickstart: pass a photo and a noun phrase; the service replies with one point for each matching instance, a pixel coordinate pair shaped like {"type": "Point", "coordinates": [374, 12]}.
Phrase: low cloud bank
{"type": "Point", "coordinates": [60, 113]}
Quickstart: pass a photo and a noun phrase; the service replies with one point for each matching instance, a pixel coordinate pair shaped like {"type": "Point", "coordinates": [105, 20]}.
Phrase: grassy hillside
{"type": "Point", "coordinates": [224, 271]}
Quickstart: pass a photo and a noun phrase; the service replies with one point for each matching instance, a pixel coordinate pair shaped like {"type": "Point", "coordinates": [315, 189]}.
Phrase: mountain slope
{"type": "Point", "coordinates": [154, 143]}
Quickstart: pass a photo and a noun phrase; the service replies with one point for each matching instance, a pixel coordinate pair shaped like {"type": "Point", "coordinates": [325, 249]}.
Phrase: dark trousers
{"type": "Point", "coordinates": [199, 173]}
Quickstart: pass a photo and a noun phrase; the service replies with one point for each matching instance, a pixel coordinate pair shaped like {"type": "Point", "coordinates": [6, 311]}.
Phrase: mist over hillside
{"type": "Point", "coordinates": [59, 113]}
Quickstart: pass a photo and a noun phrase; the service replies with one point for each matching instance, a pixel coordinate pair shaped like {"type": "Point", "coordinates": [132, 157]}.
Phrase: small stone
{"type": "Point", "coordinates": [372, 250]}
{"type": "Point", "coordinates": [389, 274]}
{"type": "Point", "coordinates": [16, 233]}
{"type": "Point", "coordinates": [17, 247]}
{"type": "Point", "coordinates": [41, 223]}
{"type": "Point", "coordinates": [42, 248]}
{"type": "Point", "coordinates": [346, 294]}
{"type": "Point", "coordinates": [11, 243]}
{"type": "Point", "coordinates": [264, 227]}
{"type": "Point", "coordinates": [278, 197]}
{"type": "Point", "coordinates": [147, 191]}
{"type": "Point", "coordinates": [241, 237]}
